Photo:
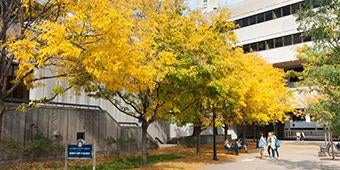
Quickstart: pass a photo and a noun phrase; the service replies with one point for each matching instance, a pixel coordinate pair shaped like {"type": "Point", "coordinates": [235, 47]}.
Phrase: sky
{"type": "Point", "coordinates": [192, 5]}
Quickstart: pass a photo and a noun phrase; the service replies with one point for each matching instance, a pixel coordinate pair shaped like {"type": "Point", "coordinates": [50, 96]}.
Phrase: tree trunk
{"type": "Point", "coordinates": [197, 131]}
{"type": "Point", "coordinates": [214, 135]}
{"type": "Point", "coordinates": [325, 133]}
{"type": "Point", "coordinates": [145, 125]}
{"type": "Point", "coordinates": [254, 133]}
{"type": "Point", "coordinates": [243, 131]}
{"type": "Point", "coordinates": [332, 145]}
{"type": "Point", "coordinates": [225, 131]}
{"type": "Point", "coordinates": [2, 112]}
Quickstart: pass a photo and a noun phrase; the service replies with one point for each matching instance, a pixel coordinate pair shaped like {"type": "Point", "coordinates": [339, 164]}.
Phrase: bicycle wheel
{"type": "Point", "coordinates": [331, 147]}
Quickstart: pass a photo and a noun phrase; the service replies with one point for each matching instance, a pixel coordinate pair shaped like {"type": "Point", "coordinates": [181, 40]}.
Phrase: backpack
{"type": "Point", "coordinates": [277, 143]}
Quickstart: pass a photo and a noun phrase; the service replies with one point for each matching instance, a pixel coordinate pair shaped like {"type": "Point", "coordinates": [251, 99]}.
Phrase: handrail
{"type": "Point", "coordinates": [157, 139]}
{"type": "Point", "coordinates": [129, 123]}
{"type": "Point", "coordinates": [17, 101]}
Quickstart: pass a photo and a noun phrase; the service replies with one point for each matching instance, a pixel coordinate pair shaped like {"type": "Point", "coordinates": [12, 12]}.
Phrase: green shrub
{"type": "Point", "coordinates": [11, 148]}
{"type": "Point", "coordinates": [42, 146]}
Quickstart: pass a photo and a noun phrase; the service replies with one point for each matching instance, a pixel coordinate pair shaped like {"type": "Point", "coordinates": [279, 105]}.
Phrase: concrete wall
{"type": "Point", "coordinates": [159, 131]}
{"type": "Point", "coordinates": [97, 125]}
{"type": "Point", "coordinates": [187, 130]}
{"type": "Point", "coordinates": [156, 129]}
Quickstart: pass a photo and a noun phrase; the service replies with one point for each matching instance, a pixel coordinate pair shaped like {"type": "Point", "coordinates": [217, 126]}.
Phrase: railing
{"type": "Point", "coordinates": [309, 134]}
{"type": "Point", "coordinates": [302, 124]}
{"type": "Point", "coordinates": [128, 124]}
{"type": "Point", "coordinates": [19, 101]}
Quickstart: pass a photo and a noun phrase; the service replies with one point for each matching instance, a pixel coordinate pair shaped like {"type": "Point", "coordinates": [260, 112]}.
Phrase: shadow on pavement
{"type": "Point", "coordinates": [305, 165]}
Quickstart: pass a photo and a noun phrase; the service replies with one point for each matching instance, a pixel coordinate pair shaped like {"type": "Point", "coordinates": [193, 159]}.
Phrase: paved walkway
{"type": "Point", "coordinates": [292, 156]}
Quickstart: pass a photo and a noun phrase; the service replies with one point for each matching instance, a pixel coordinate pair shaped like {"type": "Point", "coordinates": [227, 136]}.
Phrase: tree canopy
{"type": "Point", "coordinates": [321, 61]}
{"type": "Point", "coordinates": [148, 58]}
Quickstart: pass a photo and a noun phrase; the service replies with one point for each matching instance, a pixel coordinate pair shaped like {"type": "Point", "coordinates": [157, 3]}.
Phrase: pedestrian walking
{"type": "Point", "coordinates": [268, 144]}
{"type": "Point", "coordinates": [275, 144]}
{"type": "Point", "coordinates": [298, 137]}
{"type": "Point", "coordinates": [302, 136]}
{"type": "Point", "coordinates": [262, 145]}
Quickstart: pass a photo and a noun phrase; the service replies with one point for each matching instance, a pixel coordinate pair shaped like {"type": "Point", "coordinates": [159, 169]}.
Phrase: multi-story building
{"type": "Point", "coordinates": [269, 28]}
{"type": "Point", "coordinates": [207, 5]}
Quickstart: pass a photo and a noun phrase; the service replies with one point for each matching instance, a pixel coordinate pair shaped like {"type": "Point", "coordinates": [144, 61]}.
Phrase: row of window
{"type": "Point", "coordinates": [276, 13]}
{"type": "Point", "coordinates": [21, 92]}
{"type": "Point", "coordinates": [276, 42]}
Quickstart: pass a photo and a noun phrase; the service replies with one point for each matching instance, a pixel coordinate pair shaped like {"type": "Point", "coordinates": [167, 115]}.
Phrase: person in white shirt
{"type": "Point", "coordinates": [274, 146]}
{"type": "Point", "coordinates": [262, 145]}
{"type": "Point", "coordinates": [298, 137]}
{"type": "Point", "coordinates": [268, 144]}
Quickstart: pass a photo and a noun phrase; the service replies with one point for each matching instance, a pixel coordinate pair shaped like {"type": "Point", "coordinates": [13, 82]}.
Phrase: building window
{"type": "Point", "coordinates": [261, 46]}
{"type": "Point", "coordinates": [80, 135]}
{"type": "Point", "coordinates": [260, 18]}
{"type": "Point", "coordinates": [296, 7]}
{"type": "Point", "coordinates": [287, 40]}
{"type": "Point", "coordinates": [277, 13]}
{"type": "Point", "coordinates": [245, 22]}
{"type": "Point", "coordinates": [246, 48]}
{"type": "Point", "coordinates": [253, 47]}
{"type": "Point", "coordinates": [20, 93]}
{"type": "Point", "coordinates": [268, 15]}
{"type": "Point", "coordinates": [239, 23]}
{"type": "Point", "coordinates": [286, 10]}
{"type": "Point", "coordinates": [278, 42]}
{"type": "Point", "coordinates": [297, 38]}
{"type": "Point", "coordinates": [270, 44]}
{"type": "Point", "coordinates": [252, 20]}
{"type": "Point", "coordinates": [306, 38]}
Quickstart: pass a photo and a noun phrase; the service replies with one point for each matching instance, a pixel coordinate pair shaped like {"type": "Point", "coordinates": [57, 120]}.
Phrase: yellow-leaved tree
{"type": "Point", "coordinates": [19, 59]}
{"type": "Point", "coordinates": [70, 39]}
{"type": "Point", "coordinates": [255, 93]}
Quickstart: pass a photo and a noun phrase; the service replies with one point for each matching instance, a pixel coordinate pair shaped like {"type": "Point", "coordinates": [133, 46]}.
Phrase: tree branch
{"type": "Point", "coordinates": [117, 107]}
{"type": "Point", "coordinates": [48, 77]}
{"type": "Point", "coordinates": [130, 103]}
{"type": "Point", "coordinates": [46, 100]}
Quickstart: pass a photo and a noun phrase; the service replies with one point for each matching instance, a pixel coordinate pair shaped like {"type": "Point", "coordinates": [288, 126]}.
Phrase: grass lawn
{"type": "Point", "coordinates": [177, 157]}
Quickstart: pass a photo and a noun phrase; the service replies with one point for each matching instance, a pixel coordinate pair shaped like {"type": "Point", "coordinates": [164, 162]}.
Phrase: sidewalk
{"type": "Point", "coordinates": [293, 156]}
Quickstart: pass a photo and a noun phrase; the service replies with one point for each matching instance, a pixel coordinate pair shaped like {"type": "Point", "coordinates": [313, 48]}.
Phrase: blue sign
{"type": "Point", "coordinates": [79, 151]}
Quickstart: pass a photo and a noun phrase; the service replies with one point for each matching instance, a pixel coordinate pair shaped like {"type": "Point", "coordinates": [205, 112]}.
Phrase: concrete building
{"type": "Point", "coordinates": [269, 28]}
{"type": "Point", "coordinates": [208, 5]}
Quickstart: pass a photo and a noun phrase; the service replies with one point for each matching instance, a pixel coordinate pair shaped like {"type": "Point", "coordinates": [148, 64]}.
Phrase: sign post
{"type": "Point", "coordinates": [80, 151]}
{"type": "Point", "coordinates": [94, 158]}
{"type": "Point", "coordinates": [65, 165]}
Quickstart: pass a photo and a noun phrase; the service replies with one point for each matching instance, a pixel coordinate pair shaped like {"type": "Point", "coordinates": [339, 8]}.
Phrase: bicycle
{"type": "Point", "coordinates": [331, 148]}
